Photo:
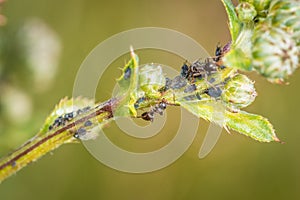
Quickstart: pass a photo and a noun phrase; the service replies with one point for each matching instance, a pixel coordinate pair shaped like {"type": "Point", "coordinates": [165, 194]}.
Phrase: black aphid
{"type": "Point", "coordinates": [86, 109]}
{"type": "Point", "coordinates": [214, 92]}
{"type": "Point", "coordinates": [212, 80]}
{"type": "Point", "coordinates": [167, 85]}
{"type": "Point", "coordinates": [198, 96]}
{"type": "Point", "coordinates": [57, 122]}
{"type": "Point", "coordinates": [69, 116]}
{"type": "Point", "coordinates": [218, 53]}
{"type": "Point", "coordinates": [137, 103]}
{"type": "Point", "coordinates": [88, 123]}
{"type": "Point", "coordinates": [222, 67]}
{"type": "Point", "coordinates": [61, 120]}
{"type": "Point", "coordinates": [79, 111]}
{"type": "Point", "coordinates": [184, 70]}
{"type": "Point", "coordinates": [190, 88]}
{"type": "Point", "coordinates": [192, 97]}
{"type": "Point", "coordinates": [127, 73]}
{"type": "Point", "coordinates": [76, 136]}
{"type": "Point", "coordinates": [178, 82]}
{"type": "Point", "coordinates": [14, 164]}
{"type": "Point", "coordinates": [80, 132]}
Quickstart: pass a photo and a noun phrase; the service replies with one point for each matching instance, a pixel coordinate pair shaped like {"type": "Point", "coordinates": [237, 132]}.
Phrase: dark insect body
{"type": "Point", "coordinates": [83, 110]}
{"type": "Point", "coordinates": [138, 102]}
{"type": "Point", "coordinates": [69, 116]}
{"type": "Point", "coordinates": [86, 109]}
{"type": "Point", "coordinates": [193, 97]}
{"type": "Point", "coordinates": [203, 69]}
{"type": "Point", "coordinates": [190, 88]}
{"type": "Point", "coordinates": [127, 73]}
{"type": "Point", "coordinates": [79, 133]}
{"type": "Point", "coordinates": [148, 116]}
{"type": "Point", "coordinates": [63, 119]}
{"type": "Point", "coordinates": [60, 121]}
{"type": "Point", "coordinates": [167, 85]}
{"type": "Point", "coordinates": [211, 80]}
{"type": "Point", "coordinates": [184, 70]}
{"type": "Point", "coordinates": [158, 108]}
{"type": "Point", "coordinates": [88, 123]}
{"type": "Point", "coordinates": [218, 53]}
{"type": "Point", "coordinates": [178, 82]}
{"type": "Point", "coordinates": [214, 92]}
{"type": "Point", "coordinates": [14, 164]}
{"type": "Point", "coordinates": [199, 70]}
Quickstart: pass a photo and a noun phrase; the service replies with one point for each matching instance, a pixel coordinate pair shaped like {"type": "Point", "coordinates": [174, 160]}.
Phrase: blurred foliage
{"type": "Point", "coordinates": [237, 167]}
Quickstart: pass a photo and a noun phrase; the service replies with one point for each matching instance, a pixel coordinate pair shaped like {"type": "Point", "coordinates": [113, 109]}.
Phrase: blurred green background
{"type": "Point", "coordinates": [237, 168]}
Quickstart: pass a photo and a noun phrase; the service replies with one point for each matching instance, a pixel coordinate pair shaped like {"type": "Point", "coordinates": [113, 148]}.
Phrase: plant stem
{"type": "Point", "coordinates": [42, 144]}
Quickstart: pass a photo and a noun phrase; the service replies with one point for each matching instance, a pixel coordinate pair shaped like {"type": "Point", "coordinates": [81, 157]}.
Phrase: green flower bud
{"type": "Point", "coordinates": [275, 54]}
{"type": "Point", "coordinates": [238, 92]}
{"type": "Point", "coordinates": [286, 15]}
{"type": "Point", "coordinates": [261, 6]}
{"type": "Point", "coordinates": [151, 79]}
{"type": "Point", "coordinates": [246, 12]}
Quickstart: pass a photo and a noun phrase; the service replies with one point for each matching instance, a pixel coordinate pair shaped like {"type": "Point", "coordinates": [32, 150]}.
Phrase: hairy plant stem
{"type": "Point", "coordinates": [42, 144]}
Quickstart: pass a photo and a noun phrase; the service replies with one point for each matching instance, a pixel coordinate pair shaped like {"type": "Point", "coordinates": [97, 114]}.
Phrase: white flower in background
{"type": "Point", "coordinates": [17, 105]}
{"type": "Point", "coordinates": [43, 48]}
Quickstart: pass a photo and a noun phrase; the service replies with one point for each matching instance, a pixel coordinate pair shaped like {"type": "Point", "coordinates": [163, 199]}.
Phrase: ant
{"type": "Point", "coordinates": [158, 108]}
{"type": "Point", "coordinates": [203, 69]}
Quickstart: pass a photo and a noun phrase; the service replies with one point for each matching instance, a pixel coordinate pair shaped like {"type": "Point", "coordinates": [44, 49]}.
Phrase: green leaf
{"type": "Point", "coordinates": [207, 109]}
{"type": "Point", "coordinates": [234, 22]}
{"type": "Point", "coordinates": [64, 106]}
{"type": "Point", "coordinates": [128, 83]}
{"type": "Point", "coordinates": [237, 59]}
{"type": "Point", "coordinates": [251, 125]}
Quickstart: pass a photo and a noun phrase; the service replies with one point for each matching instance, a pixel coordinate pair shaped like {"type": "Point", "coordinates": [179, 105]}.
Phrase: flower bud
{"type": "Point", "coordinates": [286, 15]}
{"type": "Point", "coordinates": [275, 54]}
{"type": "Point", "coordinates": [261, 6]}
{"type": "Point", "coordinates": [238, 92]}
{"type": "Point", "coordinates": [246, 12]}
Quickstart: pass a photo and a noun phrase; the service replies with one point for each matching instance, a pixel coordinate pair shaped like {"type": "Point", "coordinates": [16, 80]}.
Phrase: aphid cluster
{"type": "Point", "coordinates": [186, 80]}
{"type": "Point", "coordinates": [203, 69]}
{"type": "Point", "coordinates": [199, 69]}
{"type": "Point", "coordinates": [63, 119]}
{"type": "Point", "coordinates": [176, 83]}
{"type": "Point", "coordinates": [158, 108]}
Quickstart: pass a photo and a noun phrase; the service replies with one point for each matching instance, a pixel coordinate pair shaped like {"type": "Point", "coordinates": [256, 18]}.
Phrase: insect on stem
{"type": "Point", "coordinates": [40, 145]}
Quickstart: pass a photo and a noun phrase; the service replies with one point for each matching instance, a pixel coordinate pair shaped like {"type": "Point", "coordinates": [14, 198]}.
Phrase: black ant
{"type": "Point", "coordinates": [158, 108]}
{"type": "Point", "coordinates": [203, 69]}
